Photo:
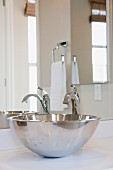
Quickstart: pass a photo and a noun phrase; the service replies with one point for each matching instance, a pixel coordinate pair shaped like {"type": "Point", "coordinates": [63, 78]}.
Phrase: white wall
{"type": "Point", "coordinates": [101, 108]}
{"type": "Point", "coordinates": [20, 28]}
{"type": "Point", "coordinates": [14, 62]}
{"type": "Point", "coordinates": [54, 23]}
{"type": "Point", "coordinates": [2, 58]}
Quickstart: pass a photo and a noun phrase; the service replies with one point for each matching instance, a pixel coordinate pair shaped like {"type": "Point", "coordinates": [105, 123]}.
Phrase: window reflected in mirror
{"type": "Point", "coordinates": [99, 52]}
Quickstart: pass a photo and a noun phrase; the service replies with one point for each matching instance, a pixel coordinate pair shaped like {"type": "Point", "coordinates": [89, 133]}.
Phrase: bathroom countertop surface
{"type": "Point", "coordinates": [97, 154]}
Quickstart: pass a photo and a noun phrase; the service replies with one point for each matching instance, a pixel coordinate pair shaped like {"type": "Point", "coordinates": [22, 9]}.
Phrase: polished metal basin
{"type": "Point", "coordinates": [4, 122]}
{"type": "Point", "coordinates": [54, 135]}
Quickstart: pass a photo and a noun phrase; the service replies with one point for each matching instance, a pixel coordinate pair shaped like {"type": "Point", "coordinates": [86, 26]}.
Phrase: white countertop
{"type": "Point", "coordinates": [97, 154]}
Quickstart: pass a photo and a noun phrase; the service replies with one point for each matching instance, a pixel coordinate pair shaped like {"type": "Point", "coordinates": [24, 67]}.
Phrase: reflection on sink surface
{"type": "Point", "coordinates": [4, 122]}
{"type": "Point", "coordinates": [54, 135]}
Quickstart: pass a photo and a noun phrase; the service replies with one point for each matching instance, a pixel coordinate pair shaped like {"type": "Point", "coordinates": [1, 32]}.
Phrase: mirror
{"type": "Point", "coordinates": [53, 26]}
{"type": "Point", "coordinates": [95, 99]}
{"type": "Point", "coordinates": [71, 23]}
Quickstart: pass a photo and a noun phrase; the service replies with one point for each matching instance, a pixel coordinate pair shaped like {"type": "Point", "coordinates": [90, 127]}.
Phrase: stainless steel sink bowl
{"type": "Point", "coordinates": [4, 122]}
{"type": "Point", "coordinates": [54, 135]}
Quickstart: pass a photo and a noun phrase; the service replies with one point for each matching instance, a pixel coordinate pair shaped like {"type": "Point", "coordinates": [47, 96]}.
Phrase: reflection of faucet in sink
{"type": "Point", "coordinates": [73, 98]}
{"type": "Point", "coordinates": [45, 100]}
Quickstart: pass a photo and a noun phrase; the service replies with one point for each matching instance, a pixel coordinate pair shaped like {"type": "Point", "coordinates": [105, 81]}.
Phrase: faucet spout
{"type": "Point", "coordinates": [39, 98]}
{"type": "Point", "coordinates": [29, 95]}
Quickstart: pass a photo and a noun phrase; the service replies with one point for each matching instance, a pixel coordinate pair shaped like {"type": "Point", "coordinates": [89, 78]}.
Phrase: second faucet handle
{"type": "Point", "coordinates": [75, 91]}
{"type": "Point", "coordinates": [46, 100]}
{"type": "Point", "coordinates": [74, 86]}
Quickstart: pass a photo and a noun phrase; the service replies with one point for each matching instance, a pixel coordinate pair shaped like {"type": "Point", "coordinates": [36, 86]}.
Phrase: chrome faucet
{"type": "Point", "coordinates": [45, 100]}
{"type": "Point", "coordinates": [74, 99]}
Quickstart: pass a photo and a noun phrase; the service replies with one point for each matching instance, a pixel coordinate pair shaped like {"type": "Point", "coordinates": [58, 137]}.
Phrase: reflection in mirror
{"type": "Point", "coordinates": [77, 31]}
{"type": "Point", "coordinates": [99, 40]}
{"type": "Point", "coordinates": [99, 52]}
{"type": "Point", "coordinates": [87, 42]}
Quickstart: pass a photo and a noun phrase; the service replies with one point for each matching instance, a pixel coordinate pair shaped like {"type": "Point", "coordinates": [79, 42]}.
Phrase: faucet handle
{"type": "Point", "coordinates": [42, 90]}
{"type": "Point", "coordinates": [46, 100]}
{"type": "Point", "coordinates": [74, 87]}
{"type": "Point", "coordinates": [45, 96]}
{"type": "Point", "coordinates": [75, 91]}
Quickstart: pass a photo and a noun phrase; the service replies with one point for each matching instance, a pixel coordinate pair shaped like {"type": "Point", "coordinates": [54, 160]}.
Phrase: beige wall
{"type": "Point", "coordinates": [81, 39]}
{"type": "Point", "coordinates": [54, 21]}
{"type": "Point", "coordinates": [60, 21]}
